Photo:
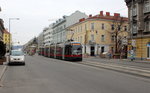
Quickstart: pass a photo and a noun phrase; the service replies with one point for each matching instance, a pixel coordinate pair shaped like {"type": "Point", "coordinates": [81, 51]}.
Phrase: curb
{"type": "Point", "coordinates": [131, 71]}
{"type": "Point", "coordinates": [2, 73]}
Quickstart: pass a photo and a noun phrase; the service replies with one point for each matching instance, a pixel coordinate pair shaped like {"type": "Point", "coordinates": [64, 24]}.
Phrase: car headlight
{"type": "Point", "coordinates": [11, 58]}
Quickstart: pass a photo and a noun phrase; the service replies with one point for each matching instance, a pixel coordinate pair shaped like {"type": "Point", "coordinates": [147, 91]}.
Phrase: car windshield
{"type": "Point", "coordinates": [17, 53]}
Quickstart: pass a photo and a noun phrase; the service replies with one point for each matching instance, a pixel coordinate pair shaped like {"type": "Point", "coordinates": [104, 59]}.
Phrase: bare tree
{"type": "Point", "coordinates": [117, 28]}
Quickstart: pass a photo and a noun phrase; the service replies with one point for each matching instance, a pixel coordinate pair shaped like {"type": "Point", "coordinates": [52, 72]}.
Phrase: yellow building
{"type": "Point", "coordinates": [6, 38]}
{"type": "Point", "coordinates": [139, 28]}
{"type": "Point", "coordinates": [141, 47]}
{"type": "Point", "coordinates": [97, 33]}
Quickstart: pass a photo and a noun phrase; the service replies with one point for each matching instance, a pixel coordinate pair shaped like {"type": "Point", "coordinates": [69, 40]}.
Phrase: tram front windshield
{"type": "Point", "coordinates": [76, 49]}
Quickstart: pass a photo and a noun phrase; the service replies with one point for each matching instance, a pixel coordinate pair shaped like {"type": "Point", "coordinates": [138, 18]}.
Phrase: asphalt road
{"type": "Point", "coordinates": [45, 75]}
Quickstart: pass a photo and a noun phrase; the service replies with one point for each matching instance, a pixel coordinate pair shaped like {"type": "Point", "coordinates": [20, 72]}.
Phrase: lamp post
{"type": "Point", "coordinates": [10, 33]}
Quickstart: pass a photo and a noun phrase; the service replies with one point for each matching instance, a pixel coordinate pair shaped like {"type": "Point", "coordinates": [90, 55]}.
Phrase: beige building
{"type": "Point", "coordinates": [97, 33]}
{"type": "Point", "coordinates": [139, 26]}
{"type": "Point", "coordinates": [6, 38]}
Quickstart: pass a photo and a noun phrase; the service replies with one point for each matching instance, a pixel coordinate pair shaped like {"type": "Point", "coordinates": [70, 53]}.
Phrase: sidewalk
{"type": "Point", "coordinates": [137, 67]}
{"type": "Point", "coordinates": [118, 60]}
{"type": "Point", "coordinates": [2, 71]}
{"type": "Point", "coordinates": [141, 64]}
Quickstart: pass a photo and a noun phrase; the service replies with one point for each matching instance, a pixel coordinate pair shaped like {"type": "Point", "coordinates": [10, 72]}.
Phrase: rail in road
{"type": "Point", "coordinates": [120, 68]}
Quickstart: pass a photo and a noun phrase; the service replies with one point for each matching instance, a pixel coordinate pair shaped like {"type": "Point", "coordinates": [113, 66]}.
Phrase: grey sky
{"type": "Point", "coordinates": [36, 14]}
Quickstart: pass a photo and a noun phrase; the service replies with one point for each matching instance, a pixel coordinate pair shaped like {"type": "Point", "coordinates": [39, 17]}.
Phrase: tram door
{"type": "Point", "coordinates": [148, 52]}
{"type": "Point", "coordinates": [92, 51]}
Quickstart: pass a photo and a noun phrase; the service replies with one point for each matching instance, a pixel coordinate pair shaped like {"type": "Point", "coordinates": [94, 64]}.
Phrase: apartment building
{"type": "Point", "coordinates": [47, 35]}
{"type": "Point", "coordinates": [59, 27]}
{"type": "Point", "coordinates": [6, 38]}
{"type": "Point", "coordinates": [1, 29]}
{"type": "Point", "coordinates": [139, 26]}
{"type": "Point", "coordinates": [40, 40]}
{"type": "Point", "coordinates": [97, 33]}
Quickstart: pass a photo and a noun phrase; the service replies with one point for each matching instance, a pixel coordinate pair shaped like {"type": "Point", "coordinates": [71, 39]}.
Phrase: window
{"type": "Point", "coordinates": [81, 39]}
{"type": "Point", "coordinates": [92, 26]}
{"type": "Point", "coordinates": [131, 14]}
{"type": "Point", "coordinates": [112, 27]}
{"type": "Point", "coordinates": [78, 29]}
{"type": "Point", "coordinates": [102, 38]}
{"type": "Point", "coordinates": [147, 26]}
{"type": "Point", "coordinates": [103, 26]}
{"type": "Point", "coordinates": [134, 10]}
{"type": "Point", "coordinates": [119, 27]}
{"type": "Point", "coordinates": [134, 28]}
{"type": "Point", "coordinates": [85, 27]}
{"type": "Point", "coordinates": [125, 28]}
{"type": "Point", "coordinates": [92, 37]}
{"type": "Point", "coordinates": [146, 6]}
{"type": "Point", "coordinates": [64, 26]}
{"type": "Point", "coordinates": [112, 38]}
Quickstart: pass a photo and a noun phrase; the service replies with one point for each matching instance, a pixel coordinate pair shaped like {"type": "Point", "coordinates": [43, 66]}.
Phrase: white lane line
{"type": "Point", "coordinates": [2, 73]}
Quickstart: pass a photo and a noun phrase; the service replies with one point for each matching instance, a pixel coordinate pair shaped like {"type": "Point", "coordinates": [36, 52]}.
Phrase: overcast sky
{"type": "Point", "coordinates": [36, 14]}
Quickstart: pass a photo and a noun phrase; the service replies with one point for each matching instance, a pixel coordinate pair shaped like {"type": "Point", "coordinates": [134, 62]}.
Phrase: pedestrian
{"type": "Point", "coordinates": [132, 55]}
{"type": "Point", "coordinates": [109, 55]}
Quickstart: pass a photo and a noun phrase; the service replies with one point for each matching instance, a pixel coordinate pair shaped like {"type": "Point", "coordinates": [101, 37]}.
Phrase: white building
{"type": "Point", "coordinates": [40, 40]}
{"type": "Point", "coordinates": [59, 27]}
{"type": "Point", "coordinates": [47, 35]}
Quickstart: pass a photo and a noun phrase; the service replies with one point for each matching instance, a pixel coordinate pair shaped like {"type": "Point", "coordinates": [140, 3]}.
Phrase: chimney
{"type": "Point", "coordinates": [80, 20]}
{"type": "Point", "coordinates": [107, 13]}
{"type": "Point", "coordinates": [116, 14]}
{"type": "Point", "coordinates": [101, 13]}
{"type": "Point", "coordinates": [83, 19]}
{"type": "Point", "coordinates": [90, 16]}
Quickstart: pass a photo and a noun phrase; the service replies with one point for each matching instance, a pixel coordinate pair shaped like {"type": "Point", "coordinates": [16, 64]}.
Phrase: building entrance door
{"type": "Point", "coordinates": [92, 51]}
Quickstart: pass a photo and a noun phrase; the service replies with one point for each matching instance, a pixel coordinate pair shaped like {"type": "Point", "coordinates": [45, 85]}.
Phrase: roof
{"type": "Point", "coordinates": [101, 16]}
{"type": "Point", "coordinates": [117, 18]}
{"type": "Point", "coordinates": [5, 32]}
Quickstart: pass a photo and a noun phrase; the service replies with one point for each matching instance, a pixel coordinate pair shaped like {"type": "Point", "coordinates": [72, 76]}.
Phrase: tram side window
{"type": "Point", "coordinates": [68, 50]}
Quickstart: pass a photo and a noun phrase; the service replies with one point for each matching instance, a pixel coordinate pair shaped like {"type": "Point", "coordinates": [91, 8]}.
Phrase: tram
{"type": "Point", "coordinates": [70, 50]}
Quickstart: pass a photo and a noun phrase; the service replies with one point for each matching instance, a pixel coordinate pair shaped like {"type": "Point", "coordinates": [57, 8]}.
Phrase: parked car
{"type": "Point", "coordinates": [17, 57]}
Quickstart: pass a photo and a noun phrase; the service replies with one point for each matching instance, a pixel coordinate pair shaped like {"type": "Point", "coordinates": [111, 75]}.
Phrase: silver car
{"type": "Point", "coordinates": [17, 57]}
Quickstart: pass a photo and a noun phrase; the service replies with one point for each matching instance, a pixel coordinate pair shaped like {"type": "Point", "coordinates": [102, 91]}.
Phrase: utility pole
{"type": "Point", "coordinates": [85, 41]}
{"type": "Point", "coordinates": [10, 34]}
{"type": "Point", "coordinates": [132, 47]}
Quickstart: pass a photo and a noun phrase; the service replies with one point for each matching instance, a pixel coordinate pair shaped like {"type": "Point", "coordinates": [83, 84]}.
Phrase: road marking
{"type": "Point", "coordinates": [1, 75]}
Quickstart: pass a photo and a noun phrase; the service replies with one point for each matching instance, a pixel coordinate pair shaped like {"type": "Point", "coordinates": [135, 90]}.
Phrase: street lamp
{"type": "Point", "coordinates": [10, 32]}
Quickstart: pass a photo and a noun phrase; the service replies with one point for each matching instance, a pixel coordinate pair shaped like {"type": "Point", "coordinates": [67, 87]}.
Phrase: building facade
{"type": "Point", "coordinates": [46, 36]}
{"type": "Point", "coordinates": [1, 29]}
{"type": "Point", "coordinates": [59, 27]}
{"type": "Point", "coordinates": [2, 45]}
{"type": "Point", "coordinates": [40, 40]}
{"type": "Point", "coordinates": [6, 38]}
{"type": "Point", "coordinates": [139, 26]}
{"type": "Point", "coordinates": [31, 46]}
{"type": "Point", "coordinates": [96, 33]}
